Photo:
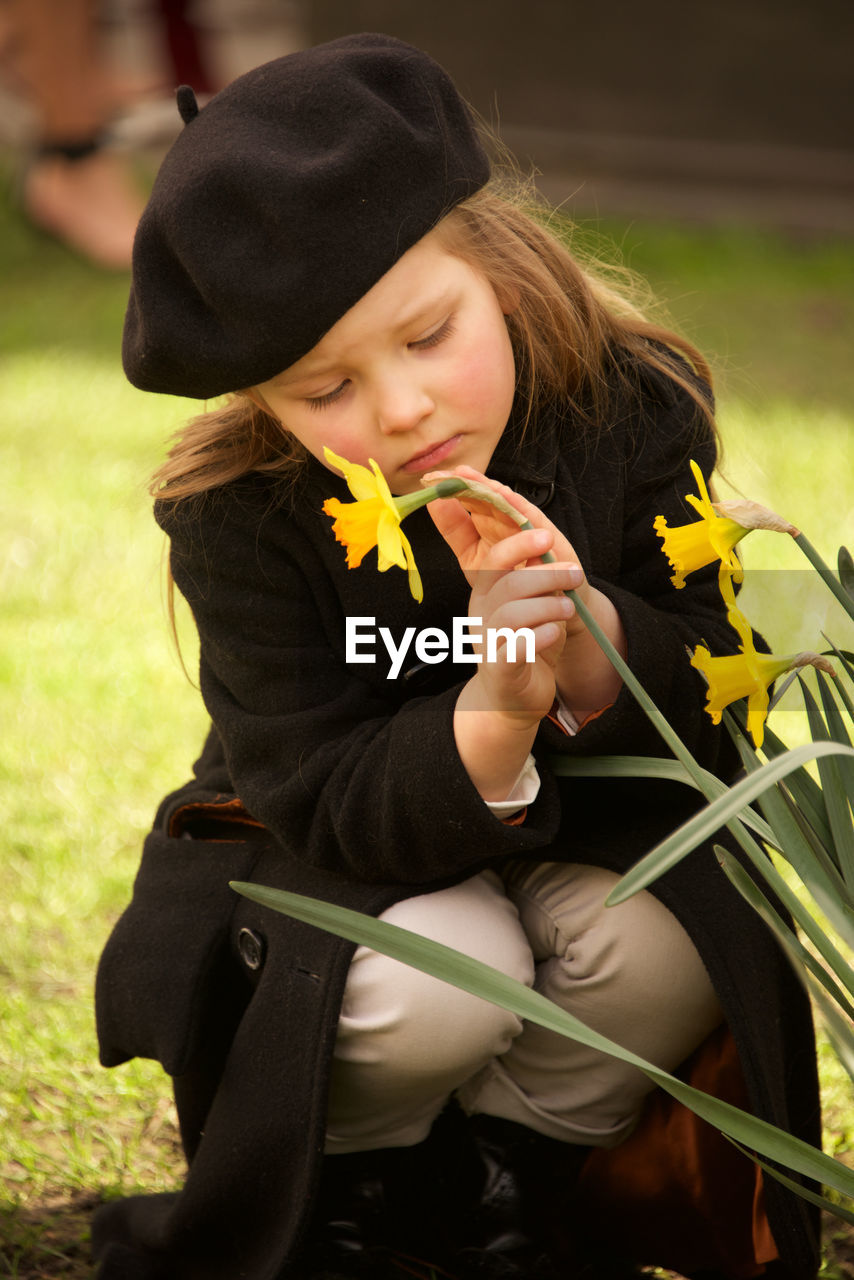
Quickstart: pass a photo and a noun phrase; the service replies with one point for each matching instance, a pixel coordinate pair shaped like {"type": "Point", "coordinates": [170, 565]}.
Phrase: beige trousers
{"type": "Point", "coordinates": [407, 1042]}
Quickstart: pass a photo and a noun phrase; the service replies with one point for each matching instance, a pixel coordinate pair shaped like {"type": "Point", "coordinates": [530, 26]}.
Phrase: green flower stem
{"type": "Point", "coordinates": [671, 737]}
{"type": "Point", "coordinates": [408, 502]}
{"type": "Point", "coordinates": [668, 733]}
{"type": "Point", "coordinates": [677, 746]}
{"type": "Point", "coordinates": [825, 572]}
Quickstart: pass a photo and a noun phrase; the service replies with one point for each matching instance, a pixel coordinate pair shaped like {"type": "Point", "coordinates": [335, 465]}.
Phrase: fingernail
{"type": "Point", "coordinates": [576, 576]}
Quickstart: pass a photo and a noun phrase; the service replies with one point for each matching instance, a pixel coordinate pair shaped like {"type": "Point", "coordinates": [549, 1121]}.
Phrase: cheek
{"type": "Point", "coordinates": [486, 376]}
{"type": "Point", "coordinates": [316, 430]}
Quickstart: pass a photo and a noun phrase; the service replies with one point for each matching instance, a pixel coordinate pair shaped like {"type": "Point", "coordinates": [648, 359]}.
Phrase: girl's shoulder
{"type": "Point", "coordinates": [655, 373]}
{"type": "Point", "coordinates": [245, 501]}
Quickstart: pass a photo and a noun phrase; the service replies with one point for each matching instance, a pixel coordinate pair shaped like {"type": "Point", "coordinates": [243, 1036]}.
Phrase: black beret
{"type": "Point", "coordinates": [282, 202]}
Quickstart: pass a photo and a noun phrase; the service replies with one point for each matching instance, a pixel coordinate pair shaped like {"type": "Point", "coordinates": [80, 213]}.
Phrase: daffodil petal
{"type": "Point", "coordinates": [382, 490]}
{"type": "Point", "coordinates": [727, 590]}
{"type": "Point", "coordinates": [360, 481]}
{"type": "Point", "coordinates": [415, 584]}
{"type": "Point", "coordinates": [389, 542]}
{"type": "Point", "coordinates": [757, 710]}
{"type": "Point", "coordinates": [723, 535]}
{"type": "Point", "coordinates": [704, 499]}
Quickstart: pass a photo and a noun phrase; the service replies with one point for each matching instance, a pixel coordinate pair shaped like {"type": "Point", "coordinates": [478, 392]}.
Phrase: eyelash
{"type": "Point", "coordinates": [438, 335]}
{"type": "Point", "coordinates": [423, 344]}
{"type": "Point", "coordinates": [320, 402]}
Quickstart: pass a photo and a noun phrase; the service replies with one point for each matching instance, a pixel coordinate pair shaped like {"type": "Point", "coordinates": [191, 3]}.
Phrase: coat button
{"type": "Point", "coordinates": [540, 494]}
{"type": "Point", "coordinates": [251, 946]}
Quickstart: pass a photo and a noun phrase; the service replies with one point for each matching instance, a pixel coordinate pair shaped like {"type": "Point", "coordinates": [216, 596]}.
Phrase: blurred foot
{"type": "Point", "coordinates": [90, 204]}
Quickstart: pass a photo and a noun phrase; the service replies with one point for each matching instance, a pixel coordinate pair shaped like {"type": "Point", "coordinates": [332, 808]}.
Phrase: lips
{"type": "Point", "coordinates": [434, 456]}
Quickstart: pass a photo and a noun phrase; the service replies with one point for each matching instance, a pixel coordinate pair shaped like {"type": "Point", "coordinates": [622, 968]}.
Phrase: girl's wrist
{"type": "Point", "coordinates": [585, 678]}
{"type": "Point", "coordinates": [493, 744]}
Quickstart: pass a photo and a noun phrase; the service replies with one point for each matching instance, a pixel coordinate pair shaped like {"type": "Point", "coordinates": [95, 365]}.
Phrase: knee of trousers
{"type": "Point", "coordinates": [412, 1025]}
{"type": "Point", "coordinates": [631, 970]}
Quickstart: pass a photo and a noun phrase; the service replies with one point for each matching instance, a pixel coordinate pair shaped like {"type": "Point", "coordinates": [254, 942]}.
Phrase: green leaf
{"type": "Point", "coordinates": [717, 814]}
{"type": "Point", "coordinates": [840, 685]}
{"type": "Point", "coordinates": [838, 903]}
{"type": "Point", "coordinates": [830, 1206]}
{"type": "Point", "coordinates": [838, 812]}
{"type": "Point", "coordinates": [650, 767]}
{"type": "Point", "coordinates": [804, 788]}
{"type": "Point", "coordinates": [845, 656]}
{"type": "Point", "coordinates": [474, 976]}
{"type": "Point", "coordinates": [803, 850]}
{"type": "Point", "coordinates": [837, 1028]}
{"type": "Point", "coordinates": [702, 825]}
{"type": "Point", "coordinates": [801, 958]}
{"type": "Point", "coordinates": [845, 565]}
{"type": "Point", "coordinates": [827, 687]}
{"type": "Point", "coordinates": [825, 946]}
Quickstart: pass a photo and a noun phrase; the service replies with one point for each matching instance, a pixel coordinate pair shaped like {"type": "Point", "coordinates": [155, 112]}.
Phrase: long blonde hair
{"type": "Point", "coordinates": [569, 325]}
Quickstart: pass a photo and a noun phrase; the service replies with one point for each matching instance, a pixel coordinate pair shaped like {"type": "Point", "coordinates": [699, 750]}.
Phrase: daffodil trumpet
{"type": "Point", "coordinates": [689, 547]}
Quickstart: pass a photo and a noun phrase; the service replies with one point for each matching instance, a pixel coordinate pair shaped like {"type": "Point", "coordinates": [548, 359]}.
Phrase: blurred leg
{"type": "Point", "coordinates": [74, 190]}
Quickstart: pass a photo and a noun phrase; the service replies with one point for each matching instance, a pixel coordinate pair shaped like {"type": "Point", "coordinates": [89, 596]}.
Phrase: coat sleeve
{"type": "Point", "coordinates": [348, 780]}
{"type": "Point", "coordinates": [645, 472]}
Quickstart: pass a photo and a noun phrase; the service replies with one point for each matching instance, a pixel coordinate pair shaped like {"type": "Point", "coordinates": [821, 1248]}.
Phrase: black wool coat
{"type": "Point", "coordinates": [336, 782]}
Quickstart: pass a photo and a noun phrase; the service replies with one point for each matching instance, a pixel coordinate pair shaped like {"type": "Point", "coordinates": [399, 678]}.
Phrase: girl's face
{"type": "Point", "coordinates": [418, 375]}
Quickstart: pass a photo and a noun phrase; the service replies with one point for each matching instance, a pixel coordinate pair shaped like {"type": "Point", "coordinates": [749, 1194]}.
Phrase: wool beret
{"type": "Point", "coordinates": [283, 201]}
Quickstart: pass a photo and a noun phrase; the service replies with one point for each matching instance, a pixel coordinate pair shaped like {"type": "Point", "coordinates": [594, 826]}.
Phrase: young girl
{"type": "Point", "coordinates": [324, 243]}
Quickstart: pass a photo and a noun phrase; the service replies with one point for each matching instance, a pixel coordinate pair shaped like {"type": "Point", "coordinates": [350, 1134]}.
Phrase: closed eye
{"type": "Point", "coordinates": [438, 335]}
{"type": "Point", "coordinates": [320, 402]}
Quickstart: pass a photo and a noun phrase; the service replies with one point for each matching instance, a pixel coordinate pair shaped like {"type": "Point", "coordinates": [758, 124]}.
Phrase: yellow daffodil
{"type": "Point", "coordinates": [691, 546]}
{"type": "Point", "coordinates": [373, 520]}
{"type": "Point", "coordinates": [747, 675]}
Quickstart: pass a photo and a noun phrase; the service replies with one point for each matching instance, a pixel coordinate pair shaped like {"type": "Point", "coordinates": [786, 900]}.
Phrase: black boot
{"type": "Point", "coordinates": [517, 1231]}
{"type": "Point", "coordinates": [384, 1214]}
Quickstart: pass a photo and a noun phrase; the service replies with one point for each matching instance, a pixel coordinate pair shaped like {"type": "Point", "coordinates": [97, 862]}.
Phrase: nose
{"type": "Point", "coordinates": [401, 403]}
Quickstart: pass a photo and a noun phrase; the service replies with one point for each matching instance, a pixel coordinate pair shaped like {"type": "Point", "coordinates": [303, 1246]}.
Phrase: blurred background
{"type": "Point", "coordinates": [714, 112]}
{"type": "Point", "coordinates": [707, 147]}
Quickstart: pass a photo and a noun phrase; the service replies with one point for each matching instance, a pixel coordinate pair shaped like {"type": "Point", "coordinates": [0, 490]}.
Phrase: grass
{"type": "Point", "coordinates": [99, 721]}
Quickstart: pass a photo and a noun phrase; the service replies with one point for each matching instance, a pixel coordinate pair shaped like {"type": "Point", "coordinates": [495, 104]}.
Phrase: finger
{"type": "Point", "coordinates": [529, 614]}
{"type": "Point", "coordinates": [469, 501]}
{"type": "Point", "coordinates": [470, 541]}
{"type": "Point", "coordinates": [515, 549]}
{"type": "Point", "coordinates": [456, 527]}
{"type": "Point", "coordinates": [563, 548]}
{"type": "Point", "coordinates": [526, 584]}
{"type": "Point", "coordinates": [526, 548]}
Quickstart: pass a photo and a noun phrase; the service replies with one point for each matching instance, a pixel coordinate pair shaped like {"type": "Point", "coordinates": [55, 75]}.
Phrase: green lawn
{"type": "Point", "coordinates": [98, 720]}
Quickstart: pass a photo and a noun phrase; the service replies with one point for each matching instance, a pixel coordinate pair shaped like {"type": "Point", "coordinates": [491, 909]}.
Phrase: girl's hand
{"type": "Point", "coordinates": [499, 710]}
{"type": "Point", "coordinates": [470, 527]}
{"type": "Point", "coordinates": [512, 589]}
{"type": "Point", "coordinates": [485, 539]}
